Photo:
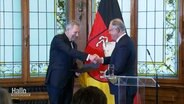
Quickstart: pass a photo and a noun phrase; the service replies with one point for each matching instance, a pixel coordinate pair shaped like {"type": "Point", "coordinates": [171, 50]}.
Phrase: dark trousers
{"type": "Point", "coordinates": [124, 98]}
{"type": "Point", "coordinates": [59, 95]}
{"type": "Point", "coordinates": [123, 94]}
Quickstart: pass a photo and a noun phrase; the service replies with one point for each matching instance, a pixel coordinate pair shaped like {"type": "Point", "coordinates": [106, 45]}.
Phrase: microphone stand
{"type": "Point", "coordinates": [156, 76]}
{"type": "Point", "coordinates": [156, 87]}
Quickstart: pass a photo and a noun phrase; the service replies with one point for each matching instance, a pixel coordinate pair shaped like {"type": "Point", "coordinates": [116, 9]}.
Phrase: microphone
{"type": "Point", "coordinates": [151, 60]}
{"type": "Point", "coordinates": [148, 52]}
{"type": "Point", "coordinates": [156, 83]}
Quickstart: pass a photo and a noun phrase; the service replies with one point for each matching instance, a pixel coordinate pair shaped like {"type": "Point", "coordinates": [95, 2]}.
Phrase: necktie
{"type": "Point", "coordinates": [71, 43]}
{"type": "Point", "coordinates": [72, 46]}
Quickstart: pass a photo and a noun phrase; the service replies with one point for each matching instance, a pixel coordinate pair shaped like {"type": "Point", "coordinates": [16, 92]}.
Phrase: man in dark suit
{"type": "Point", "coordinates": [123, 58]}
{"type": "Point", "coordinates": [62, 62]}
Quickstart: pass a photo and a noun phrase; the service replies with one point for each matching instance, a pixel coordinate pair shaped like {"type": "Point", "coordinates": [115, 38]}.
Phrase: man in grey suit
{"type": "Point", "coordinates": [62, 62]}
{"type": "Point", "coordinates": [123, 58]}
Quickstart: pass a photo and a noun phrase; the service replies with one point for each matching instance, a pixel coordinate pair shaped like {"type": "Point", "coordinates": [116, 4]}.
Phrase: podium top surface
{"type": "Point", "coordinates": [132, 81]}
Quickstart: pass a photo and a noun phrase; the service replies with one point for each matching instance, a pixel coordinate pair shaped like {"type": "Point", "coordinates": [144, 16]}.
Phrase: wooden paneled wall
{"type": "Point", "coordinates": [166, 95]}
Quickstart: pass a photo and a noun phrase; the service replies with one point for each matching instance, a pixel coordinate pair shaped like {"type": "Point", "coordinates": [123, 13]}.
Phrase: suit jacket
{"type": "Point", "coordinates": [62, 61]}
{"type": "Point", "coordinates": [123, 57]}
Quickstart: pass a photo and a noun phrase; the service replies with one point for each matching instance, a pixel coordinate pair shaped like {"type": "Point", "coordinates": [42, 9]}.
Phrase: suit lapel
{"type": "Point", "coordinates": [116, 47]}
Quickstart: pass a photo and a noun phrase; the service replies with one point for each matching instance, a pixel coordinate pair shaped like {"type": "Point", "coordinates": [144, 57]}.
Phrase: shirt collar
{"type": "Point", "coordinates": [120, 37]}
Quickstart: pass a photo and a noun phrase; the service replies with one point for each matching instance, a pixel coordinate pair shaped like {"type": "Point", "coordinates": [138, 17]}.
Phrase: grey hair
{"type": "Point", "coordinates": [70, 24]}
{"type": "Point", "coordinates": [118, 23]}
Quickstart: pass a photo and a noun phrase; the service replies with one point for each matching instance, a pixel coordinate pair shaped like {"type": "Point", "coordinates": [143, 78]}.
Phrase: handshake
{"type": "Point", "coordinates": [95, 59]}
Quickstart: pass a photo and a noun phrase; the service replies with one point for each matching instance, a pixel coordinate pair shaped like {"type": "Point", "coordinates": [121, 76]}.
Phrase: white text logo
{"type": "Point", "coordinates": [19, 92]}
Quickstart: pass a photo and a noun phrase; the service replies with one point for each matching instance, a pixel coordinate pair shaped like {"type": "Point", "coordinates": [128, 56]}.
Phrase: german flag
{"type": "Point", "coordinates": [107, 10]}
